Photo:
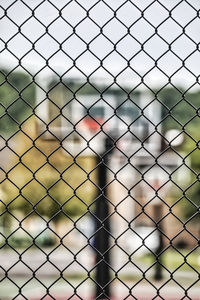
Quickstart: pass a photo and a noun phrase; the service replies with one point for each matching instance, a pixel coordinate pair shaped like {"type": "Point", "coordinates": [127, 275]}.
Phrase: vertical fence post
{"type": "Point", "coordinates": [158, 275]}
{"type": "Point", "coordinates": [102, 236]}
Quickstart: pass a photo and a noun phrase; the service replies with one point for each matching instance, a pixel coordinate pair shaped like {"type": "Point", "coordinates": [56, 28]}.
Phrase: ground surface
{"type": "Point", "coordinates": [76, 284]}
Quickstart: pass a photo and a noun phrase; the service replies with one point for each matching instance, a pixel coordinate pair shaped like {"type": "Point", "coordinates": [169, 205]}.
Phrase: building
{"type": "Point", "coordinates": [79, 116]}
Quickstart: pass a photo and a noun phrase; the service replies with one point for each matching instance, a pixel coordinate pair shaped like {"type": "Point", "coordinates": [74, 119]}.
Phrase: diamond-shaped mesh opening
{"type": "Point", "coordinates": [99, 149]}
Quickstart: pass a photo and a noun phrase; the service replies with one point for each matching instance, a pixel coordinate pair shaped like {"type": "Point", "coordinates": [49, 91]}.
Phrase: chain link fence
{"type": "Point", "coordinates": [99, 137]}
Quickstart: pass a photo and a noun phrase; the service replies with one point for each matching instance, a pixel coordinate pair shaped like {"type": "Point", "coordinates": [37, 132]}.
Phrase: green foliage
{"type": "Point", "coordinates": [48, 194]}
{"type": "Point", "coordinates": [17, 97]}
{"type": "Point", "coordinates": [178, 109]}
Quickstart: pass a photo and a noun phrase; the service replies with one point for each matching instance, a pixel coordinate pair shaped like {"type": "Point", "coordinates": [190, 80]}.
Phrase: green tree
{"type": "Point", "coordinates": [17, 98]}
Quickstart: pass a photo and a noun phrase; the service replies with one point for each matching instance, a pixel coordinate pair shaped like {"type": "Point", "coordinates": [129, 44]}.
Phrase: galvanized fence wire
{"type": "Point", "coordinates": [96, 99]}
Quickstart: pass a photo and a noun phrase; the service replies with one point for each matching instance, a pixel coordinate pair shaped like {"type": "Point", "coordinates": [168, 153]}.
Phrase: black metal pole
{"type": "Point", "coordinates": [158, 275]}
{"type": "Point", "coordinates": [102, 236]}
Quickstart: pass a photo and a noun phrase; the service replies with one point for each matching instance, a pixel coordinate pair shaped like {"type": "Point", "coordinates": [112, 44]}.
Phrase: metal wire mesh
{"type": "Point", "coordinates": [99, 104]}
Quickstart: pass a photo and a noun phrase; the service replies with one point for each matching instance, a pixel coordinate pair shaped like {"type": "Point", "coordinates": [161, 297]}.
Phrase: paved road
{"type": "Point", "coordinates": [51, 262]}
{"type": "Point", "coordinates": [47, 271]}
{"type": "Point", "coordinates": [86, 292]}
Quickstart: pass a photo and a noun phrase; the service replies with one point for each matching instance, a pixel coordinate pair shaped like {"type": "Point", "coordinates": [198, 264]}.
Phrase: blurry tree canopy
{"type": "Point", "coordinates": [17, 98]}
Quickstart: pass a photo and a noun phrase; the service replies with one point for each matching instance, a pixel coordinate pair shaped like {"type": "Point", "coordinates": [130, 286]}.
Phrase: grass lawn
{"type": "Point", "coordinates": [173, 259]}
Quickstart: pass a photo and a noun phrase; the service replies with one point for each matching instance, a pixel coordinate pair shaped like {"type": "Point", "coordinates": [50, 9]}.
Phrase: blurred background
{"type": "Point", "coordinates": [72, 74]}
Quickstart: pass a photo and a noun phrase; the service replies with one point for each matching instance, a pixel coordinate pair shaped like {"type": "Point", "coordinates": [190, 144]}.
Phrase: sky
{"type": "Point", "coordinates": [54, 35]}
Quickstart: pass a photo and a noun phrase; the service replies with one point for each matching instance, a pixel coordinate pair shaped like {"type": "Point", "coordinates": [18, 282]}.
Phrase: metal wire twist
{"type": "Point", "coordinates": [88, 93]}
